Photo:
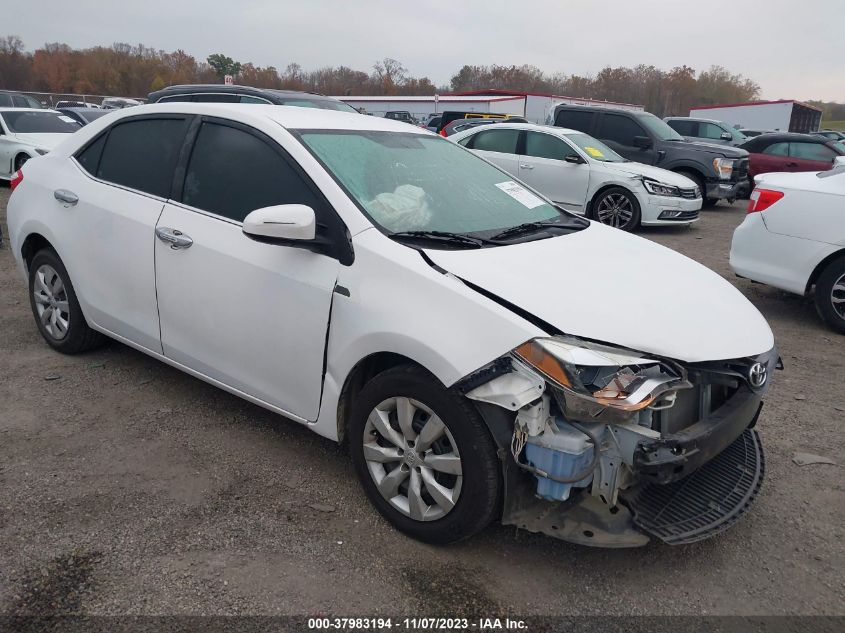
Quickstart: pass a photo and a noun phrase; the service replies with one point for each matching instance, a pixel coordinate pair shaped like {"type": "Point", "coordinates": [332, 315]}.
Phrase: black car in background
{"type": "Point", "coordinates": [221, 93]}
{"type": "Point", "coordinates": [83, 116]}
{"type": "Point", "coordinates": [9, 99]}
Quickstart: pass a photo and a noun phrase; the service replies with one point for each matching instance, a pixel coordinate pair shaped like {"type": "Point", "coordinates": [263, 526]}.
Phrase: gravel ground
{"type": "Point", "coordinates": [129, 487]}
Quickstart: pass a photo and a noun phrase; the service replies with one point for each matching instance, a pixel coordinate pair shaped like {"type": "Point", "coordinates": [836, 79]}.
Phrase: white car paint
{"type": "Point", "coordinates": [574, 186]}
{"type": "Point", "coordinates": [783, 245]}
{"type": "Point", "coordinates": [252, 318]}
{"type": "Point", "coordinates": [14, 144]}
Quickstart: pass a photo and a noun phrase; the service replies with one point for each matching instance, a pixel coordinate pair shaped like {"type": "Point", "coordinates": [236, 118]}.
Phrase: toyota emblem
{"type": "Point", "coordinates": [757, 375]}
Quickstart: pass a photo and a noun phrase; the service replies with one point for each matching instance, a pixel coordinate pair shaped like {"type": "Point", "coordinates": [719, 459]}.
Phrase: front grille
{"type": "Point", "coordinates": [690, 193]}
{"type": "Point", "coordinates": [708, 501]}
{"type": "Point", "coordinates": [691, 405]}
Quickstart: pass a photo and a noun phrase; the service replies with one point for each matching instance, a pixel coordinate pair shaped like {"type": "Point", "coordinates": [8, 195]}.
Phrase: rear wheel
{"type": "Point", "coordinates": [830, 295]}
{"type": "Point", "coordinates": [424, 456]}
{"type": "Point", "coordinates": [617, 207]}
{"type": "Point", "coordinates": [55, 307]}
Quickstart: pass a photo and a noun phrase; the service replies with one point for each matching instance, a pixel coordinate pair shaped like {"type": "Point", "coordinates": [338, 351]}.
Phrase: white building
{"type": "Point", "coordinates": [785, 115]}
{"type": "Point", "coordinates": [536, 107]}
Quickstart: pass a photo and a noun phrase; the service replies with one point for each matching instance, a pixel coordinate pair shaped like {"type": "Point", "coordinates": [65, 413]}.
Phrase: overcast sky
{"type": "Point", "coordinates": [792, 48]}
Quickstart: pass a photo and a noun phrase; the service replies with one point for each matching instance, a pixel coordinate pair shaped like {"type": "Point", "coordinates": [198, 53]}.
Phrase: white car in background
{"type": "Point", "coordinates": [582, 174]}
{"type": "Point", "coordinates": [27, 133]}
{"type": "Point", "coordinates": [383, 286]}
{"type": "Point", "coordinates": [793, 237]}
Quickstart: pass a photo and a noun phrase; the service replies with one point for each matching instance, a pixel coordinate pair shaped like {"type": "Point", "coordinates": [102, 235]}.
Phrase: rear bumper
{"type": "Point", "coordinates": [677, 455]}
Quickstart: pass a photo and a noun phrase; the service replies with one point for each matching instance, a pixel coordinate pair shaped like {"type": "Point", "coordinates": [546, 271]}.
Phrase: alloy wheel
{"type": "Point", "coordinates": [51, 302]}
{"type": "Point", "coordinates": [615, 209]}
{"type": "Point", "coordinates": [837, 296]}
{"type": "Point", "coordinates": [412, 458]}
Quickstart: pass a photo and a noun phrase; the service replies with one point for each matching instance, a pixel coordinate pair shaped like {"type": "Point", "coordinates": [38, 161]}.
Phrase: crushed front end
{"type": "Point", "coordinates": [607, 447]}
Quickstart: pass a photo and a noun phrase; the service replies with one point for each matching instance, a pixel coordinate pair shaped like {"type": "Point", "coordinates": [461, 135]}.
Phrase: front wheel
{"type": "Point", "coordinates": [617, 207]}
{"type": "Point", "coordinates": [830, 295]}
{"type": "Point", "coordinates": [424, 456]}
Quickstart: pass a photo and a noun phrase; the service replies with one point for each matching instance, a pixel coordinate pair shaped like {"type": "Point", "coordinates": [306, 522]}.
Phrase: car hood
{"type": "Point", "coordinates": [46, 141]}
{"type": "Point", "coordinates": [656, 173]}
{"type": "Point", "coordinates": [603, 284]}
{"type": "Point", "coordinates": [727, 151]}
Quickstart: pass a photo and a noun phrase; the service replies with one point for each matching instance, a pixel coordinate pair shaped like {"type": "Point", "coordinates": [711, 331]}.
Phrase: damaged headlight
{"type": "Point", "coordinates": [592, 378]}
{"type": "Point", "coordinates": [659, 189]}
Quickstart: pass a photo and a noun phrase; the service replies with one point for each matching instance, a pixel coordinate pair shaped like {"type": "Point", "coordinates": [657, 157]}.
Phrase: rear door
{"type": "Point", "coordinates": [543, 166]}
{"type": "Point", "coordinates": [251, 315]}
{"type": "Point", "coordinates": [499, 146]}
{"type": "Point", "coordinates": [810, 157]}
{"type": "Point", "coordinates": [124, 177]}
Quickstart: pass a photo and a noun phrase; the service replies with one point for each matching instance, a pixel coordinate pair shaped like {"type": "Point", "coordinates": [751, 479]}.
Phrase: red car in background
{"type": "Point", "coordinates": [790, 152]}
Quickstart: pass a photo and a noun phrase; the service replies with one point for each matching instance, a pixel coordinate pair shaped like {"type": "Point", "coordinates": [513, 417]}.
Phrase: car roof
{"type": "Point", "coordinates": [535, 127]}
{"type": "Point", "coordinates": [693, 118]}
{"type": "Point", "coordinates": [291, 117]}
{"type": "Point", "coordinates": [790, 136]}
{"type": "Point", "coordinates": [229, 89]}
{"type": "Point", "coordinates": [28, 110]}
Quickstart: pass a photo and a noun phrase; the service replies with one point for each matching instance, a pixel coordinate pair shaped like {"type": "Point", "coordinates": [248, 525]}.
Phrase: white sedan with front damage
{"type": "Point", "coordinates": [582, 174]}
{"type": "Point", "coordinates": [29, 133]}
{"type": "Point", "coordinates": [486, 355]}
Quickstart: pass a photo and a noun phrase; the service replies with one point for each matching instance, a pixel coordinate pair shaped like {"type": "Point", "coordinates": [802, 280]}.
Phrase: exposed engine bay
{"type": "Point", "coordinates": [605, 446]}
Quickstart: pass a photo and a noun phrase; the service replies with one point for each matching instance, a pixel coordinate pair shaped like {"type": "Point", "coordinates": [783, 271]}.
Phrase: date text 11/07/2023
{"type": "Point", "coordinates": [417, 624]}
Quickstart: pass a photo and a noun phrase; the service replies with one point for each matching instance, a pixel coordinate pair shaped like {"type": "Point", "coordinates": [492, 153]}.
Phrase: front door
{"type": "Point", "coordinates": [251, 315]}
{"type": "Point", "coordinates": [619, 132]}
{"type": "Point", "coordinates": [499, 146]}
{"type": "Point", "coordinates": [544, 167]}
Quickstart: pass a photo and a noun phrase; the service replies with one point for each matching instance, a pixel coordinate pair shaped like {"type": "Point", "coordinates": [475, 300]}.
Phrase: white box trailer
{"type": "Point", "coordinates": [783, 116]}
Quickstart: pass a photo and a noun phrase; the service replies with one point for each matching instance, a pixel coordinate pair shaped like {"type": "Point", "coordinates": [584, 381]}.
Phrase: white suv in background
{"type": "Point", "coordinates": [582, 174]}
{"type": "Point", "coordinates": [793, 237]}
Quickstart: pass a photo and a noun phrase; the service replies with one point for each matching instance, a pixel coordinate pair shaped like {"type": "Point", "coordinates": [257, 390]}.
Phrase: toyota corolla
{"type": "Point", "coordinates": [485, 354]}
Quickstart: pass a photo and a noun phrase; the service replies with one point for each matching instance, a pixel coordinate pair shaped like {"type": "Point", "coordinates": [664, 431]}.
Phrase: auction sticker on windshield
{"type": "Point", "coordinates": [520, 194]}
{"type": "Point", "coordinates": [592, 151]}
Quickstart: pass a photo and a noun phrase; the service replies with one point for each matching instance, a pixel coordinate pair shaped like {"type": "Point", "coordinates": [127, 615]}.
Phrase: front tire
{"type": "Point", "coordinates": [55, 307]}
{"type": "Point", "coordinates": [617, 207]}
{"type": "Point", "coordinates": [830, 295]}
{"type": "Point", "coordinates": [424, 456]}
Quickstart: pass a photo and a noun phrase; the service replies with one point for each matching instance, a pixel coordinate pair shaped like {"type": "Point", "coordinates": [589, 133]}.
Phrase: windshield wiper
{"type": "Point", "coordinates": [442, 236]}
{"type": "Point", "coordinates": [530, 227]}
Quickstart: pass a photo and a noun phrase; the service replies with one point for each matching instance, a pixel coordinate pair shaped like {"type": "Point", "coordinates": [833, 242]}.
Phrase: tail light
{"type": "Point", "coordinates": [442, 133]}
{"type": "Point", "coordinates": [17, 178]}
{"type": "Point", "coordinates": [762, 199]}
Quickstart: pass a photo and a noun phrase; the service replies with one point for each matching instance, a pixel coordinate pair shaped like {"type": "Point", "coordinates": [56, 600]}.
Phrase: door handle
{"type": "Point", "coordinates": [174, 237]}
{"type": "Point", "coordinates": [65, 196]}
{"type": "Point", "coordinates": [525, 166]}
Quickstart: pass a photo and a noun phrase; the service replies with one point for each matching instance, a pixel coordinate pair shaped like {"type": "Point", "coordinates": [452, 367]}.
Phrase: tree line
{"type": "Point", "coordinates": [135, 70]}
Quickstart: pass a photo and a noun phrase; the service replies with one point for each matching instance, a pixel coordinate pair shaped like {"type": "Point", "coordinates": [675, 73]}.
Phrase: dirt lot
{"type": "Point", "coordinates": [129, 487]}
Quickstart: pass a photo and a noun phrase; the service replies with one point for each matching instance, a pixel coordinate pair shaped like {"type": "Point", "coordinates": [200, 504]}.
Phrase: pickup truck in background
{"type": "Point", "coordinates": [720, 171]}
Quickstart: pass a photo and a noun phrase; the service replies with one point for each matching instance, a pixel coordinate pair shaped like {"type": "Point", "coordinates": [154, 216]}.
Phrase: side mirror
{"type": "Point", "coordinates": [643, 142]}
{"type": "Point", "coordinates": [281, 223]}
{"type": "Point", "coordinates": [726, 136]}
{"type": "Point", "coordinates": [573, 158]}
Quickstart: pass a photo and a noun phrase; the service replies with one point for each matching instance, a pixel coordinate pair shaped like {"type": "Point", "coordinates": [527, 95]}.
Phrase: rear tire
{"type": "Point", "coordinates": [438, 490]}
{"type": "Point", "coordinates": [57, 313]}
{"type": "Point", "coordinates": [830, 295]}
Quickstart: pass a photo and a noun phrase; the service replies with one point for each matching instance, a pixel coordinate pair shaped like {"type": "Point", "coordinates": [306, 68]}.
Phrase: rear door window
{"type": "Point", "coordinates": [580, 120]}
{"type": "Point", "coordinates": [232, 172]}
{"type": "Point", "coordinates": [620, 129]}
{"type": "Point", "coordinates": [812, 151]}
{"type": "Point", "coordinates": [141, 154]}
{"type": "Point", "coordinates": [502, 141]}
{"type": "Point", "coordinates": [684, 128]}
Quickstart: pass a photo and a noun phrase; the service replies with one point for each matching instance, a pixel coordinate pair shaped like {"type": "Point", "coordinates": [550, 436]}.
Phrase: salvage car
{"type": "Point", "coordinates": [582, 174]}
{"type": "Point", "coordinates": [784, 151]}
{"type": "Point", "coordinates": [387, 288]}
{"type": "Point", "coordinates": [29, 132]}
{"type": "Point", "coordinates": [793, 238]}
